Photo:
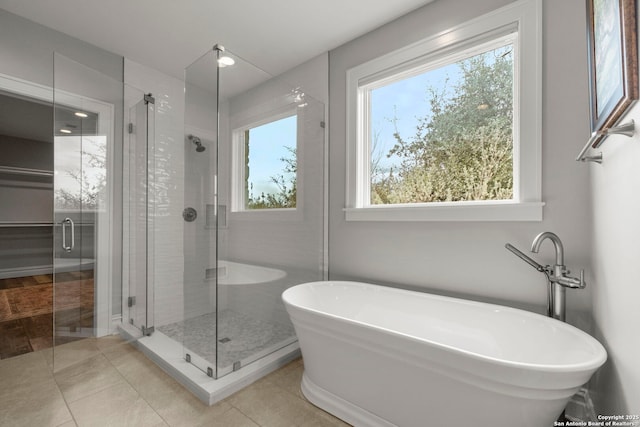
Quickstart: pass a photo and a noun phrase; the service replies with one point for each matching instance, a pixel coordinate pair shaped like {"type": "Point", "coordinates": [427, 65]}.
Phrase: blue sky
{"type": "Point", "coordinates": [407, 100]}
{"type": "Point", "coordinates": [267, 146]}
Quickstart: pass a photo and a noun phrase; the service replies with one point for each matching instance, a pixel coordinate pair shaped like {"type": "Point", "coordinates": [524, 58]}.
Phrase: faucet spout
{"type": "Point", "coordinates": [558, 278]}
{"type": "Point", "coordinates": [535, 246]}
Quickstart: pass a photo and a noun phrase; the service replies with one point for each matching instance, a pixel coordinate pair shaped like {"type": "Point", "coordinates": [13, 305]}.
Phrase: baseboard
{"type": "Point", "coordinates": [116, 321]}
{"type": "Point", "coordinates": [35, 270]}
{"type": "Point", "coordinates": [62, 265]}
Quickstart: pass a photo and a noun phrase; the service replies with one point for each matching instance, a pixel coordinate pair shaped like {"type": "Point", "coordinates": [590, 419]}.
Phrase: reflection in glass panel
{"type": "Point", "coordinates": [85, 104]}
{"type": "Point", "coordinates": [81, 185]}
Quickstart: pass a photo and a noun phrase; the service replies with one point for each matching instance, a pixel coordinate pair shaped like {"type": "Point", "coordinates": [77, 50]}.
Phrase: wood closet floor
{"type": "Point", "coordinates": [27, 312]}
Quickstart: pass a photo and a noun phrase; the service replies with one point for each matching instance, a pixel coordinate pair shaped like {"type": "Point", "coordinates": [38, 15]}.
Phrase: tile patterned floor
{"type": "Point", "coordinates": [26, 307]}
{"type": "Point", "coordinates": [241, 336]}
{"type": "Point", "coordinates": [116, 385]}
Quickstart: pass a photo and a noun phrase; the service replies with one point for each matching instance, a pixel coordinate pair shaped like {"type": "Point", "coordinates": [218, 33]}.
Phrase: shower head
{"type": "Point", "coordinates": [199, 147]}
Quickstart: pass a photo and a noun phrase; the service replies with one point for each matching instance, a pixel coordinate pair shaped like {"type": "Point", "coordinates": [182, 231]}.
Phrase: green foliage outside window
{"type": "Point", "coordinates": [285, 196]}
{"type": "Point", "coordinates": [463, 150]}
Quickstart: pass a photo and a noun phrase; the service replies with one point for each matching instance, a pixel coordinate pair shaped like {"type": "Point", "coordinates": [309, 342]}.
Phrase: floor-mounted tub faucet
{"type": "Point", "coordinates": [557, 275]}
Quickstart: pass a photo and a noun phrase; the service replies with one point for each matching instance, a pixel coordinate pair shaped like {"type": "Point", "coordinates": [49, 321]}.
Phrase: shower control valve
{"type": "Point", "coordinates": [189, 214]}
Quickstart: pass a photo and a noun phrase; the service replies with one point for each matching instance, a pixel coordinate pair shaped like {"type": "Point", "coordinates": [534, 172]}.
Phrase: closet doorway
{"type": "Point", "coordinates": [55, 213]}
{"type": "Point", "coordinates": [26, 234]}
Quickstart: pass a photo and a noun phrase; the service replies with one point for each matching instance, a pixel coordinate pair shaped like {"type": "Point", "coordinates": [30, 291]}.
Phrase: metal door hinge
{"type": "Point", "coordinates": [131, 301]}
{"type": "Point", "coordinates": [130, 128]}
{"type": "Point", "coordinates": [147, 331]}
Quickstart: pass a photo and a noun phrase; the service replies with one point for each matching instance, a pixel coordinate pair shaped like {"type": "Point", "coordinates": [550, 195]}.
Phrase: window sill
{"type": "Point", "coordinates": [459, 211]}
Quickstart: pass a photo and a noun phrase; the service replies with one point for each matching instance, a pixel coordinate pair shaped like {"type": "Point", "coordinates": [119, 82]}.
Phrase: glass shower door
{"type": "Point", "coordinates": [254, 209]}
{"type": "Point", "coordinates": [271, 208]}
{"type": "Point", "coordinates": [84, 118]}
{"type": "Point", "coordinates": [197, 332]}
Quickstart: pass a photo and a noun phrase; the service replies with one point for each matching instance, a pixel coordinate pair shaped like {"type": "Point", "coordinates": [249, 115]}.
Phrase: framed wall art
{"type": "Point", "coordinates": [613, 61]}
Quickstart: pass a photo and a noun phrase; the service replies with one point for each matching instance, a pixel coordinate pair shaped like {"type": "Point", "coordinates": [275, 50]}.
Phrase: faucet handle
{"type": "Point", "coordinates": [572, 282]}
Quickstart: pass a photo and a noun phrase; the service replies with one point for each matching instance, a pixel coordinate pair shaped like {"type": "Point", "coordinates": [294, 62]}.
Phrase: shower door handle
{"type": "Point", "coordinates": [64, 234]}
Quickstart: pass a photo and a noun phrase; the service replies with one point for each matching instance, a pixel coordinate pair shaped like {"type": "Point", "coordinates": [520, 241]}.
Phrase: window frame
{"type": "Point", "coordinates": [238, 179]}
{"type": "Point", "coordinates": [524, 18]}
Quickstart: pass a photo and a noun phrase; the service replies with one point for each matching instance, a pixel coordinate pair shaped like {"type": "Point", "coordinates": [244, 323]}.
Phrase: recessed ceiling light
{"type": "Point", "coordinates": [226, 61]}
{"type": "Point", "coordinates": [65, 131]}
{"type": "Point", "coordinates": [81, 114]}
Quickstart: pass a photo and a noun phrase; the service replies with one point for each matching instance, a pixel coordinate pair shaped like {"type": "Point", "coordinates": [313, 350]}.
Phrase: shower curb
{"type": "Point", "coordinates": [167, 354]}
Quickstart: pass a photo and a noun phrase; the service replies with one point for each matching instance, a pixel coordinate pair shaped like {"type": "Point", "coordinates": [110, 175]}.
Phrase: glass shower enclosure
{"type": "Point", "coordinates": [139, 206]}
{"type": "Point", "coordinates": [253, 214]}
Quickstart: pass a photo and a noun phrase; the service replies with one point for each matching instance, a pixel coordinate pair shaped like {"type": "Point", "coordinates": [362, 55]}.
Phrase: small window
{"type": "Point", "coordinates": [449, 128]}
{"type": "Point", "coordinates": [265, 164]}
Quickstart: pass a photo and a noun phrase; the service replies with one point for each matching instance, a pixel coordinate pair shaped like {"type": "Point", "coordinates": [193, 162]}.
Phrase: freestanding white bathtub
{"type": "Point", "coordinates": [379, 356]}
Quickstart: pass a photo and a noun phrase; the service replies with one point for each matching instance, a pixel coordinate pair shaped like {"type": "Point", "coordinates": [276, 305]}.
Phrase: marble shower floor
{"type": "Point", "coordinates": [241, 336]}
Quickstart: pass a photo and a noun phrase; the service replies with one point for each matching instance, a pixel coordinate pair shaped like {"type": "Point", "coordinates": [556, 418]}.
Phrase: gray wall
{"type": "Point", "coordinates": [25, 198]}
{"type": "Point", "coordinates": [27, 49]}
{"type": "Point", "coordinates": [469, 257]}
{"type": "Point", "coordinates": [615, 187]}
{"type": "Point", "coordinates": [593, 208]}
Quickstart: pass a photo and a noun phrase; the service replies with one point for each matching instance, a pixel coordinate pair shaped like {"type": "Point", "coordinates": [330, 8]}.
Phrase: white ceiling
{"type": "Point", "coordinates": [168, 35]}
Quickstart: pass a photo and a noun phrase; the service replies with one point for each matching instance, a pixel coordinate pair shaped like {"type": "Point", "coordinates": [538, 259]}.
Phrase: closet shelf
{"type": "Point", "coordinates": [25, 171]}
{"type": "Point", "coordinates": [7, 224]}
{"type": "Point", "coordinates": [25, 224]}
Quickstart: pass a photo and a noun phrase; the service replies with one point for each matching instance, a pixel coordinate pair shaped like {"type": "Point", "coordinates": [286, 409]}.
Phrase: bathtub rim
{"type": "Point", "coordinates": [276, 274]}
{"type": "Point", "coordinates": [600, 353]}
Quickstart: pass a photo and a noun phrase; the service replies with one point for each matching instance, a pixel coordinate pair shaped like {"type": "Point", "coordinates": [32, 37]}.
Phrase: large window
{"type": "Point", "coordinates": [449, 128]}
{"type": "Point", "coordinates": [446, 133]}
{"type": "Point", "coordinates": [266, 164]}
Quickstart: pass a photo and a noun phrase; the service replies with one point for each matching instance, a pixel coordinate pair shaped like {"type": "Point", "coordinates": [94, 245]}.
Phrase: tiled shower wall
{"type": "Point", "coordinates": [199, 192]}
{"type": "Point", "coordinates": [182, 186]}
